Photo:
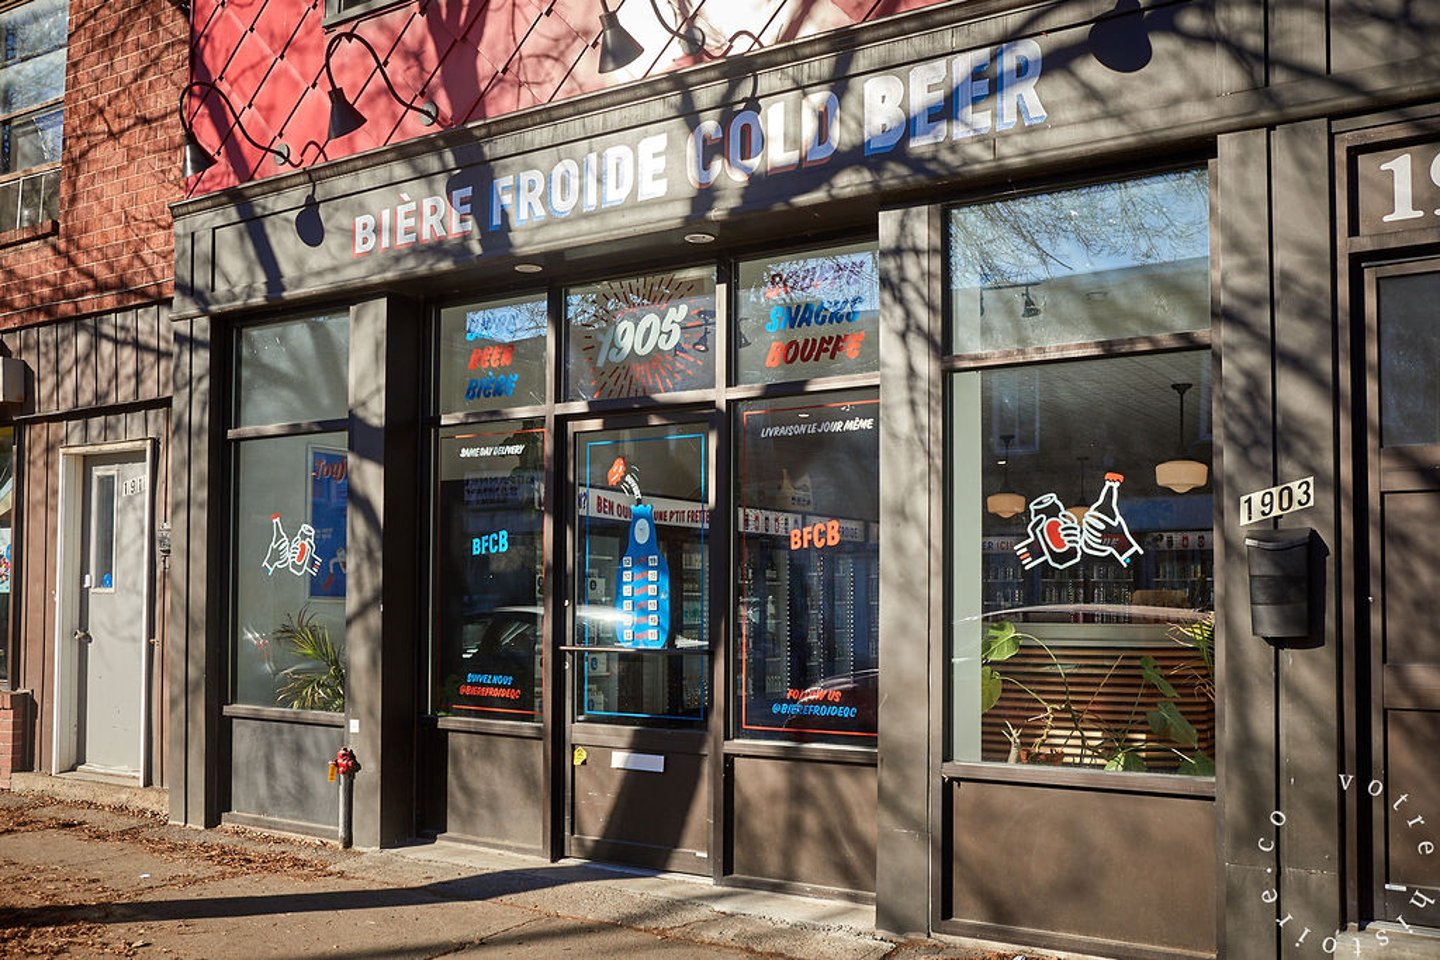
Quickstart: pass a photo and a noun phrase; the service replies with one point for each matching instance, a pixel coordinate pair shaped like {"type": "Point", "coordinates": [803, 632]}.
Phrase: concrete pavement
{"type": "Point", "coordinates": [80, 880]}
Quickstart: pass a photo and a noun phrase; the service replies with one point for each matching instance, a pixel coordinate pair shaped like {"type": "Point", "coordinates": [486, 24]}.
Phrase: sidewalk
{"type": "Point", "coordinates": [80, 880]}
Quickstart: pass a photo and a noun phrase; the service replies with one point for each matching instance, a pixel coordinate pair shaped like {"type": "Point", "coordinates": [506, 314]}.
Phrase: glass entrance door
{"type": "Point", "coordinates": [638, 644]}
{"type": "Point", "coordinates": [1404, 484]}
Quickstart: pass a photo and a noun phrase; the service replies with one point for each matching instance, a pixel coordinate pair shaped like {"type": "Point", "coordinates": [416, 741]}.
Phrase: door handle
{"type": "Point", "coordinates": [83, 635]}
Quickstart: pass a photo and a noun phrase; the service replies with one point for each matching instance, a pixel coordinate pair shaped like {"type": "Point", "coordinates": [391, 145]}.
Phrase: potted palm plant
{"type": "Point", "coordinates": [317, 681]}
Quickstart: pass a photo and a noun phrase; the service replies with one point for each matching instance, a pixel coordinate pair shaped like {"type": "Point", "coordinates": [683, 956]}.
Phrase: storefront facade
{"type": "Point", "coordinates": [850, 471]}
{"type": "Point", "coordinates": [86, 261]}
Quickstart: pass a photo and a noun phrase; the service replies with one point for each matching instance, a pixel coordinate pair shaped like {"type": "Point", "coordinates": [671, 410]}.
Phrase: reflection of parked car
{"type": "Point", "coordinates": [504, 642]}
{"type": "Point", "coordinates": [511, 636]}
{"type": "Point", "coordinates": [857, 691]}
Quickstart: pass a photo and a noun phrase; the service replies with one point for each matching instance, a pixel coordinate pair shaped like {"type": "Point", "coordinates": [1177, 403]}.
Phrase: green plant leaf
{"type": "Point", "coordinates": [1001, 642]}
{"type": "Point", "coordinates": [1157, 721]}
{"type": "Point", "coordinates": [990, 688]}
{"type": "Point", "coordinates": [1177, 728]}
{"type": "Point", "coordinates": [1154, 677]}
{"type": "Point", "coordinates": [1200, 635]}
{"type": "Point", "coordinates": [1126, 761]}
{"type": "Point", "coordinates": [1199, 765]}
{"type": "Point", "coordinates": [318, 681]}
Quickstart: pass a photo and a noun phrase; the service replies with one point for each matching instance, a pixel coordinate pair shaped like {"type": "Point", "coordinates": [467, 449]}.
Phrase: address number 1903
{"type": "Point", "coordinates": [1286, 498]}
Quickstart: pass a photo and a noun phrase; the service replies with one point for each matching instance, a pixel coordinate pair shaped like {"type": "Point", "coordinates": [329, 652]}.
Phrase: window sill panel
{"type": "Point", "coordinates": [283, 715]}
{"type": "Point", "coordinates": [1158, 784]}
{"type": "Point", "coordinates": [35, 231]}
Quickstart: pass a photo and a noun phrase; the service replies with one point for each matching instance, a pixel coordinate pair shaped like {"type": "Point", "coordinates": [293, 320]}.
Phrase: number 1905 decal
{"type": "Point", "coordinates": [1286, 498]}
{"type": "Point", "coordinates": [641, 337]}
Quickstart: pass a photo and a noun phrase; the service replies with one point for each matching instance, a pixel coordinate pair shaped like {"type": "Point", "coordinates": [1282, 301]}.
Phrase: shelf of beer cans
{"type": "Point", "coordinates": [1175, 568]}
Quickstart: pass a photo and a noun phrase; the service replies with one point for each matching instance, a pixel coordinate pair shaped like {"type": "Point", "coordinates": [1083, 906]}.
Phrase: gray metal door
{"type": "Point", "coordinates": [112, 621]}
{"type": "Point", "coordinates": [1404, 585]}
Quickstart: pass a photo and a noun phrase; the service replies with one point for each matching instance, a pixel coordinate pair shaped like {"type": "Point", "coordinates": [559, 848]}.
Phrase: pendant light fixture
{"type": "Point", "coordinates": [1029, 310]}
{"type": "Point", "coordinates": [1181, 474]}
{"type": "Point", "coordinates": [1006, 503]}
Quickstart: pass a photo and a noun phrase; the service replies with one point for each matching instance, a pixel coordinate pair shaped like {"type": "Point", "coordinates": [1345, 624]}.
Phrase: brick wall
{"type": "Point", "coordinates": [14, 723]}
{"type": "Point", "coordinates": [113, 245]}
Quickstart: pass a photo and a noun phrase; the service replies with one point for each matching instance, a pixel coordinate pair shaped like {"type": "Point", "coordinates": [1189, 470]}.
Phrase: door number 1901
{"type": "Point", "coordinates": [1286, 498]}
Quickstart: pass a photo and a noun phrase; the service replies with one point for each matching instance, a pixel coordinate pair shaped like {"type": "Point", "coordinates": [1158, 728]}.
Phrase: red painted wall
{"type": "Point", "coordinates": [475, 59]}
{"type": "Point", "coordinates": [113, 244]}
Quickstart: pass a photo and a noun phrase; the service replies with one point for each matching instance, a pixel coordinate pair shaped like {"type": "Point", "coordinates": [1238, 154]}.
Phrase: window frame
{"type": "Point", "coordinates": [433, 420]}
{"type": "Point", "coordinates": [711, 400]}
{"type": "Point", "coordinates": [734, 265]}
{"type": "Point", "coordinates": [950, 365]}
{"type": "Point", "coordinates": [338, 15]}
{"type": "Point", "coordinates": [234, 438]}
{"type": "Point", "coordinates": [35, 173]}
{"type": "Point", "coordinates": [8, 646]}
{"type": "Point", "coordinates": [113, 474]}
{"type": "Point", "coordinates": [430, 650]}
{"type": "Point", "coordinates": [865, 742]}
{"type": "Point", "coordinates": [721, 281]}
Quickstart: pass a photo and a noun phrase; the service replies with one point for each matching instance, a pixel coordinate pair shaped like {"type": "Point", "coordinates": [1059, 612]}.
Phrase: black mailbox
{"type": "Point", "coordinates": [1281, 578]}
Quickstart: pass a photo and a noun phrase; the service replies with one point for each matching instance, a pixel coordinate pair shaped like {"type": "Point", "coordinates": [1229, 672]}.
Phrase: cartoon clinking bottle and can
{"type": "Point", "coordinates": [1060, 540]}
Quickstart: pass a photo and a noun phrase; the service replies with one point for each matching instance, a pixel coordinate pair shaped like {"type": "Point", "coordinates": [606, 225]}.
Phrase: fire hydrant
{"type": "Point", "coordinates": [345, 766]}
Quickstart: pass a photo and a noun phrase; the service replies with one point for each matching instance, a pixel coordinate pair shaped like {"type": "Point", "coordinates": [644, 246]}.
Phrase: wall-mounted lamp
{"type": "Point", "coordinates": [1119, 39]}
{"type": "Point", "coordinates": [617, 47]}
{"type": "Point", "coordinates": [197, 159]}
{"type": "Point", "coordinates": [345, 118]}
{"type": "Point", "coordinates": [691, 37]}
{"type": "Point", "coordinates": [1181, 474]}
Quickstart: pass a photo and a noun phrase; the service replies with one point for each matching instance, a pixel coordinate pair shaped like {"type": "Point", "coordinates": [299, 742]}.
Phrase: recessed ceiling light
{"type": "Point", "coordinates": [528, 268]}
{"type": "Point", "coordinates": [699, 238]}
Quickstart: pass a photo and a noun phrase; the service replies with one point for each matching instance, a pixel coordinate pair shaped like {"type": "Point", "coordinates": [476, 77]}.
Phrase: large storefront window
{"type": "Point", "coordinates": [1082, 516]}
{"type": "Point", "coordinates": [642, 584]}
{"type": "Point", "coordinates": [1409, 360]}
{"type": "Point", "coordinates": [1098, 263]}
{"type": "Point", "coordinates": [808, 315]}
{"type": "Point", "coordinates": [289, 562]}
{"type": "Point", "coordinates": [489, 538]}
{"type": "Point", "coordinates": [292, 372]}
{"type": "Point", "coordinates": [492, 355]}
{"type": "Point", "coordinates": [641, 336]}
{"type": "Point", "coordinates": [808, 511]}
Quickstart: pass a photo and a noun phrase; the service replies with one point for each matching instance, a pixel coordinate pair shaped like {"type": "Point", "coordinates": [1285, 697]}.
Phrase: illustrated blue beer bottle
{"type": "Point", "coordinates": [644, 594]}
